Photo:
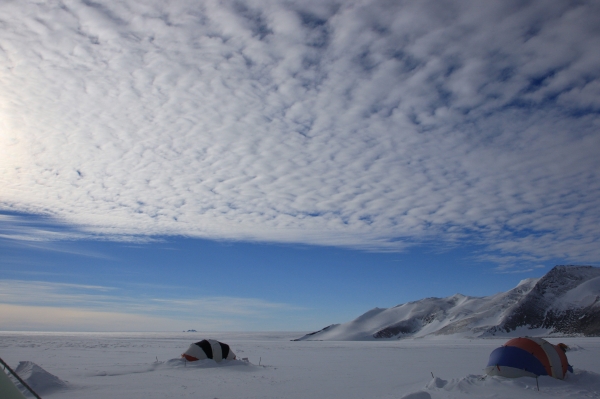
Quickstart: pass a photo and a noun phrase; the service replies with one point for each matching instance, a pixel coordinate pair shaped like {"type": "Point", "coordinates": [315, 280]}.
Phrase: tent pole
{"type": "Point", "coordinates": [6, 366]}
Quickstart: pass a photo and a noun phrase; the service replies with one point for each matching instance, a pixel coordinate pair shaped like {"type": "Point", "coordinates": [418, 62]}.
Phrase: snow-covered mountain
{"type": "Point", "coordinates": [566, 301]}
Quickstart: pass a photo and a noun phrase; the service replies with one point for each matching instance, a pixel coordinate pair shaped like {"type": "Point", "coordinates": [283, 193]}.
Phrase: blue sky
{"type": "Point", "coordinates": [224, 285]}
{"type": "Point", "coordinates": [286, 165]}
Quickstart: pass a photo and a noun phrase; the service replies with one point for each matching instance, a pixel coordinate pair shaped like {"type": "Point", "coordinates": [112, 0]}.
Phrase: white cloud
{"type": "Point", "coordinates": [361, 123]}
{"type": "Point", "coordinates": [50, 318]}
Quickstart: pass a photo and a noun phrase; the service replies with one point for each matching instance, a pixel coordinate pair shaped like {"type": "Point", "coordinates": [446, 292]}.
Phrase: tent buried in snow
{"type": "Point", "coordinates": [208, 349]}
{"type": "Point", "coordinates": [529, 357]}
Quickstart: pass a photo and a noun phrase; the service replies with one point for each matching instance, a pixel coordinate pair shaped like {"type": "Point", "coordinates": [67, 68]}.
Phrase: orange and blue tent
{"type": "Point", "coordinates": [529, 357]}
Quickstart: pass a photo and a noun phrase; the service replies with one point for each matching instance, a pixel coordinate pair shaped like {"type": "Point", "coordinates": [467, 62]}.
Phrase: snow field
{"type": "Point", "coordinates": [147, 365]}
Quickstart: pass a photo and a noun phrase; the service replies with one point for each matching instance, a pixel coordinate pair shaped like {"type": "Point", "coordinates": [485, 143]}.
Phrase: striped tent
{"type": "Point", "coordinates": [529, 357]}
{"type": "Point", "coordinates": [208, 349]}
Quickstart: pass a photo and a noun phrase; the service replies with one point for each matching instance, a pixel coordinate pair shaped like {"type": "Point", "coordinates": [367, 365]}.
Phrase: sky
{"type": "Point", "coordinates": [279, 165]}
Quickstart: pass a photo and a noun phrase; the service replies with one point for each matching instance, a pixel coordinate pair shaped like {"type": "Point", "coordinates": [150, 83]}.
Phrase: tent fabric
{"type": "Point", "coordinates": [515, 358]}
{"type": "Point", "coordinates": [8, 389]}
{"type": "Point", "coordinates": [528, 356]}
{"type": "Point", "coordinates": [208, 349]}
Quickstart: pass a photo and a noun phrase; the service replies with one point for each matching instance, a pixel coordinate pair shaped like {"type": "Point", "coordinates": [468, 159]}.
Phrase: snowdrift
{"type": "Point", "coordinates": [580, 384]}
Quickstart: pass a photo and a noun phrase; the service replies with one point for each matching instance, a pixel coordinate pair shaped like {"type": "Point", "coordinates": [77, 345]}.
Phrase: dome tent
{"type": "Point", "coordinates": [529, 357]}
{"type": "Point", "coordinates": [208, 349]}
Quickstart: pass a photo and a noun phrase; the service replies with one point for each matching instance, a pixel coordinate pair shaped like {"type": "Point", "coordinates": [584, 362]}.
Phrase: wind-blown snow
{"type": "Point", "coordinates": [148, 366]}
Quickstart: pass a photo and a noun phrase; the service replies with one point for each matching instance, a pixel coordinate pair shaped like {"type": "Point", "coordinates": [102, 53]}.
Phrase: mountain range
{"type": "Point", "coordinates": [564, 302]}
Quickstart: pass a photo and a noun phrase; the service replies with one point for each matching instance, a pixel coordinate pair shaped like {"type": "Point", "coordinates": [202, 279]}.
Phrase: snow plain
{"type": "Point", "coordinates": [148, 365]}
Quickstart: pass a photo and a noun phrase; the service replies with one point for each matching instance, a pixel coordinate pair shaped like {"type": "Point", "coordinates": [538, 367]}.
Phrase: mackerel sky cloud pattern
{"type": "Point", "coordinates": [369, 124]}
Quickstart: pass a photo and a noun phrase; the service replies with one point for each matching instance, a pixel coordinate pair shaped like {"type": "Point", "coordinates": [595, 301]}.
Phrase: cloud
{"type": "Point", "coordinates": [61, 307]}
{"type": "Point", "coordinates": [49, 318]}
{"type": "Point", "coordinates": [34, 230]}
{"type": "Point", "coordinates": [363, 123]}
{"type": "Point", "coordinates": [225, 305]}
{"type": "Point", "coordinates": [40, 229]}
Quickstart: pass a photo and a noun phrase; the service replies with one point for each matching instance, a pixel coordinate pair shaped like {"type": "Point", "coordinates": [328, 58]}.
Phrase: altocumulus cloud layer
{"type": "Point", "coordinates": [357, 123]}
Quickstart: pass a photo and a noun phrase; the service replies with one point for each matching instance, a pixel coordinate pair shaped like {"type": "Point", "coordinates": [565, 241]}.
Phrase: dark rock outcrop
{"type": "Point", "coordinates": [542, 306]}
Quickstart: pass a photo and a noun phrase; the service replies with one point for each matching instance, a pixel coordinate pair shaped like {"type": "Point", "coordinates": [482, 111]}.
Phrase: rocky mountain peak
{"type": "Point", "coordinates": [566, 301]}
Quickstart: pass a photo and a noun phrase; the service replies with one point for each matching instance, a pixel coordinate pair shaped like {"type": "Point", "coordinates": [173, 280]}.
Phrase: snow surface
{"type": "Point", "coordinates": [148, 365]}
{"type": "Point", "coordinates": [583, 295]}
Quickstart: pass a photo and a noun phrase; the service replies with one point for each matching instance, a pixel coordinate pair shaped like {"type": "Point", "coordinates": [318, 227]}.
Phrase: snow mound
{"type": "Point", "coordinates": [417, 395]}
{"type": "Point", "coordinates": [437, 383]}
{"type": "Point", "coordinates": [575, 348]}
{"type": "Point", "coordinates": [580, 384]}
{"type": "Point", "coordinates": [41, 381]}
{"type": "Point", "coordinates": [205, 363]}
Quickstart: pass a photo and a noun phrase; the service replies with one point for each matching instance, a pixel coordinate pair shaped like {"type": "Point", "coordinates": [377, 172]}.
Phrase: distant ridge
{"type": "Point", "coordinates": [566, 301]}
